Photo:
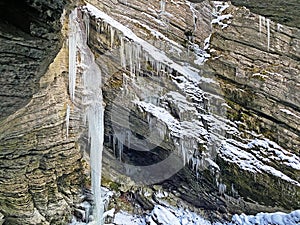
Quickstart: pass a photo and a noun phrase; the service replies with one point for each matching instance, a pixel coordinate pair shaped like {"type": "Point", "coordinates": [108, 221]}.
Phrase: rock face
{"type": "Point", "coordinates": [227, 123]}
{"type": "Point", "coordinates": [30, 39]}
{"type": "Point", "coordinates": [201, 100]}
{"type": "Point", "coordinates": [284, 12]}
{"type": "Point", "coordinates": [41, 169]}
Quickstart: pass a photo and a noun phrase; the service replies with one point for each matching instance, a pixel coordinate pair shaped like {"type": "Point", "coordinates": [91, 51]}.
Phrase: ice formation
{"type": "Point", "coordinates": [134, 51]}
{"type": "Point", "coordinates": [268, 34]}
{"type": "Point", "coordinates": [73, 31]}
{"type": "Point", "coordinates": [260, 23]}
{"type": "Point", "coordinates": [279, 27]}
{"type": "Point", "coordinates": [162, 6]}
{"type": "Point", "coordinates": [92, 99]}
{"type": "Point", "coordinates": [266, 22]}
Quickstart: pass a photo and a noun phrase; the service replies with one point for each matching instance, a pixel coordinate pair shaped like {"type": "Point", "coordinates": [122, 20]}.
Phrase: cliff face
{"type": "Point", "coordinates": [221, 137]}
{"type": "Point", "coordinates": [257, 64]}
{"type": "Point", "coordinates": [238, 109]}
{"type": "Point", "coordinates": [41, 170]}
{"type": "Point", "coordinates": [280, 11]}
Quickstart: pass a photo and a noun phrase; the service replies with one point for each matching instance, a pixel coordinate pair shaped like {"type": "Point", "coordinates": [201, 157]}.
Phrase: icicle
{"type": "Point", "coordinates": [138, 52]}
{"type": "Point", "coordinates": [114, 143]}
{"type": "Point", "coordinates": [148, 118]}
{"type": "Point", "coordinates": [279, 27]}
{"type": "Point", "coordinates": [162, 6]}
{"type": "Point", "coordinates": [260, 24]}
{"type": "Point", "coordinates": [98, 26]}
{"type": "Point", "coordinates": [112, 36]}
{"type": "Point", "coordinates": [94, 113]}
{"type": "Point", "coordinates": [122, 52]}
{"type": "Point", "coordinates": [128, 56]}
{"type": "Point", "coordinates": [197, 165]}
{"type": "Point", "coordinates": [268, 33]}
{"type": "Point", "coordinates": [263, 21]}
{"type": "Point", "coordinates": [98, 29]}
{"type": "Point", "coordinates": [131, 66]}
{"type": "Point", "coordinates": [86, 20]}
{"type": "Point", "coordinates": [158, 68]}
{"type": "Point", "coordinates": [109, 139]}
{"type": "Point", "coordinates": [222, 188]}
{"type": "Point", "coordinates": [128, 139]}
{"type": "Point", "coordinates": [121, 141]}
{"type": "Point", "coordinates": [183, 150]}
{"type": "Point", "coordinates": [68, 119]}
{"type": "Point", "coordinates": [72, 53]}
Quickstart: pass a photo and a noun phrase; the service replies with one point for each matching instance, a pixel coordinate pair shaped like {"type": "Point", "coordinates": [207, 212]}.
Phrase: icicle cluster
{"type": "Point", "coordinates": [137, 57]}
{"type": "Point", "coordinates": [118, 140]}
{"type": "Point", "coordinates": [265, 22]}
{"type": "Point", "coordinates": [136, 60]}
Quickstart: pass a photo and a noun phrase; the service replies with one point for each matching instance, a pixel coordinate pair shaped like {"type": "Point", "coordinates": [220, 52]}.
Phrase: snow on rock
{"type": "Point", "coordinates": [124, 218]}
{"type": "Point", "coordinates": [288, 112]}
{"type": "Point", "coordinates": [220, 7]}
{"type": "Point", "coordinates": [158, 56]}
{"type": "Point", "coordinates": [254, 161]}
{"type": "Point", "coordinates": [277, 218]}
{"type": "Point", "coordinates": [167, 215]}
{"type": "Point", "coordinates": [161, 215]}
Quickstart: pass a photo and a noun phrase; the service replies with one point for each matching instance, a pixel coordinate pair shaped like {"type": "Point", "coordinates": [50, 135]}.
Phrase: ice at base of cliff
{"type": "Point", "coordinates": [167, 215]}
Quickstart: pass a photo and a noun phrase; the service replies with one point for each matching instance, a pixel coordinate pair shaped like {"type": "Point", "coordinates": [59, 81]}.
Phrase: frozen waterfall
{"type": "Point", "coordinates": [92, 99]}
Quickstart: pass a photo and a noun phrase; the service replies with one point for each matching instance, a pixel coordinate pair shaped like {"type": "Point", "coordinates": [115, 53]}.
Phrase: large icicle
{"type": "Point", "coordinates": [260, 24]}
{"type": "Point", "coordinates": [122, 52]}
{"type": "Point", "coordinates": [94, 114]}
{"type": "Point", "coordinates": [72, 53]}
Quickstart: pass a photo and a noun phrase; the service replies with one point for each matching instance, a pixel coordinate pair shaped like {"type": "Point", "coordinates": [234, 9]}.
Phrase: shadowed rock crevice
{"type": "Point", "coordinates": [30, 38]}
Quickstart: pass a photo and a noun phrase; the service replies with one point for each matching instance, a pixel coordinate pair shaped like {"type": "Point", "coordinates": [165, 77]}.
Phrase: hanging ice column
{"type": "Point", "coordinates": [94, 110]}
{"type": "Point", "coordinates": [72, 53]}
{"type": "Point", "coordinates": [72, 63]}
